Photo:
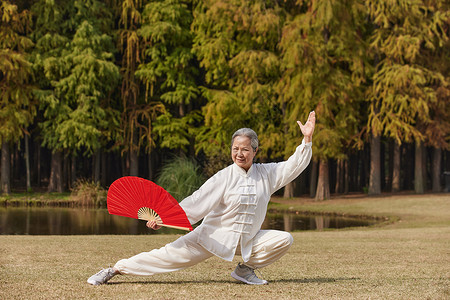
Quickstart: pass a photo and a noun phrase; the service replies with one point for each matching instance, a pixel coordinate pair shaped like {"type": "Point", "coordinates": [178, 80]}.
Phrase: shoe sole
{"type": "Point", "coordinates": [237, 277]}
{"type": "Point", "coordinates": [93, 282]}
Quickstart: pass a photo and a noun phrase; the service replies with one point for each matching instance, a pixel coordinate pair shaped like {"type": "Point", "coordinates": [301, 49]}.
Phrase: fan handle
{"type": "Point", "coordinates": [148, 214]}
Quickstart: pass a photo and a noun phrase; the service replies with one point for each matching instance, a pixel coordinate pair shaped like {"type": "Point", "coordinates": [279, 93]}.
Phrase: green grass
{"type": "Point", "coordinates": [408, 258]}
{"type": "Point", "coordinates": [36, 199]}
{"type": "Point", "coordinates": [180, 176]}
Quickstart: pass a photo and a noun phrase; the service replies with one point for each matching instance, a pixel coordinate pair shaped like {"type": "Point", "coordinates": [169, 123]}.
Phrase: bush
{"type": "Point", "coordinates": [180, 177]}
{"type": "Point", "coordinates": [89, 194]}
{"type": "Point", "coordinates": [217, 162]}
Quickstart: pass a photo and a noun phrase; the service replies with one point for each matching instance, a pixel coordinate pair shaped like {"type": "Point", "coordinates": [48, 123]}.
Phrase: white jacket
{"type": "Point", "coordinates": [233, 202]}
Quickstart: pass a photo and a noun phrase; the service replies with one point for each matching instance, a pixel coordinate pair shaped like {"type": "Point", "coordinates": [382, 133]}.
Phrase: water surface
{"type": "Point", "coordinates": [78, 221]}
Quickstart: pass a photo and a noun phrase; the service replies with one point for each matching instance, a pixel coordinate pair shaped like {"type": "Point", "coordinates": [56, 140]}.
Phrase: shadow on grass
{"type": "Point", "coordinates": [292, 280]}
{"type": "Point", "coordinates": [313, 280]}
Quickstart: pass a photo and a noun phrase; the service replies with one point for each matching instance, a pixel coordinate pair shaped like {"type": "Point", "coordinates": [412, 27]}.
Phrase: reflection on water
{"type": "Point", "coordinates": [295, 222]}
{"type": "Point", "coordinates": [73, 221]}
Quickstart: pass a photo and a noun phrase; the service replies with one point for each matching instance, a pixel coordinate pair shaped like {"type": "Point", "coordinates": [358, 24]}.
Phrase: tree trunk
{"type": "Point", "coordinates": [436, 170]}
{"type": "Point", "coordinates": [38, 165]}
{"type": "Point", "coordinates": [340, 176]}
{"type": "Point", "coordinates": [364, 168]}
{"type": "Point", "coordinates": [346, 177]}
{"type": "Point", "coordinates": [55, 182]}
{"type": "Point", "coordinates": [375, 170]}
{"type": "Point", "coordinates": [419, 187]}
{"type": "Point", "coordinates": [27, 163]}
{"type": "Point", "coordinates": [16, 170]}
{"type": "Point", "coordinates": [125, 163]}
{"type": "Point", "coordinates": [289, 190]}
{"type": "Point", "coordinates": [6, 169]}
{"type": "Point", "coordinates": [408, 167]}
{"type": "Point", "coordinates": [73, 171]}
{"type": "Point", "coordinates": [134, 163]}
{"type": "Point", "coordinates": [301, 183]}
{"type": "Point", "coordinates": [103, 168]}
{"type": "Point", "coordinates": [323, 185]}
{"type": "Point", "coordinates": [382, 166]}
{"type": "Point", "coordinates": [396, 168]}
{"type": "Point", "coordinates": [65, 173]}
{"type": "Point", "coordinates": [150, 166]}
{"type": "Point", "coordinates": [97, 161]}
{"type": "Point", "coordinates": [352, 171]}
{"type": "Point", "coordinates": [313, 183]}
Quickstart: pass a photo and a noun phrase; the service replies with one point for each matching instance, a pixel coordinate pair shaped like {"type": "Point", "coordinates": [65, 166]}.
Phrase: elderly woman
{"type": "Point", "coordinates": [233, 205]}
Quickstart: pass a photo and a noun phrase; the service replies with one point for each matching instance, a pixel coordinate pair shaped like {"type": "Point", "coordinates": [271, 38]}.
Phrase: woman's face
{"type": "Point", "coordinates": [242, 152]}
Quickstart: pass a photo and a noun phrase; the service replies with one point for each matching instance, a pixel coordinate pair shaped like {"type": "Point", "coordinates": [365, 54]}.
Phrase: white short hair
{"type": "Point", "coordinates": [248, 133]}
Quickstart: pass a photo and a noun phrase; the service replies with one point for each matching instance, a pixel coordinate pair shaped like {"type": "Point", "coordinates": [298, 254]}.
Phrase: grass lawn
{"type": "Point", "coordinates": [406, 258]}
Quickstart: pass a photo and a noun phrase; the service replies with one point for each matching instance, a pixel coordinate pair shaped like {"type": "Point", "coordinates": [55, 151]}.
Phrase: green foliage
{"type": "Point", "coordinates": [222, 116]}
{"type": "Point", "coordinates": [236, 44]}
{"type": "Point", "coordinates": [137, 112]}
{"type": "Point", "coordinates": [175, 133]}
{"type": "Point", "coordinates": [78, 115]}
{"type": "Point", "coordinates": [168, 70]}
{"type": "Point", "coordinates": [180, 177]}
{"type": "Point", "coordinates": [192, 72]}
{"type": "Point", "coordinates": [17, 106]}
{"type": "Point", "coordinates": [92, 76]}
{"type": "Point", "coordinates": [406, 83]}
{"type": "Point", "coordinates": [322, 51]}
{"type": "Point", "coordinates": [216, 162]}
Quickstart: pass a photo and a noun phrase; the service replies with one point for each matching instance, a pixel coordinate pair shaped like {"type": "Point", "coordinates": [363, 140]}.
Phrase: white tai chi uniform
{"type": "Point", "coordinates": [233, 205]}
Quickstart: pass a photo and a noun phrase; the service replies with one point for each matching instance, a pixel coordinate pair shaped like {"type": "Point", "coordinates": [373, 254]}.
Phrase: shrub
{"type": "Point", "coordinates": [180, 177]}
{"type": "Point", "coordinates": [88, 193]}
{"type": "Point", "coordinates": [215, 163]}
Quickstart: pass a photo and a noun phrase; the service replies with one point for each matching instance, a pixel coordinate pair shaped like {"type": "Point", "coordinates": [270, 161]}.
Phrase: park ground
{"type": "Point", "coordinates": [407, 256]}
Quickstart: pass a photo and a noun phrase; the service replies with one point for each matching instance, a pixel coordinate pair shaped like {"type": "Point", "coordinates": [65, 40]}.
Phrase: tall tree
{"type": "Point", "coordinates": [78, 115]}
{"type": "Point", "coordinates": [51, 34]}
{"type": "Point", "coordinates": [90, 77]}
{"type": "Point", "coordinates": [396, 167]}
{"type": "Point", "coordinates": [406, 36]}
{"type": "Point", "coordinates": [236, 44]}
{"type": "Point", "coordinates": [323, 47]}
{"type": "Point", "coordinates": [137, 114]}
{"type": "Point", "coordinates": [168, 71]}
{"type": "Point", "coordinates": [17, 105]}
{"type": "Point", "coordinates": [437, 131]}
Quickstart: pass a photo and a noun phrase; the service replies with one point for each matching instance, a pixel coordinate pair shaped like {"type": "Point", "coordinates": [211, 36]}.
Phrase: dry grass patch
{"type": "Point", "coordinates": [406, 261]}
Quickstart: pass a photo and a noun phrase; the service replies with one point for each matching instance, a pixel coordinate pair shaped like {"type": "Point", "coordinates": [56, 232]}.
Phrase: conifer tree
{"type": "Point", "coordinates": [236, 45]}
{"type": "Point", "coordinates": [168, 70]}
{"type": "Point", "coordinates": [87, 119]}
{"type": "Point", "coordinates": [323, 70]}
{"type": "Point", "coordinates": [51, 34]}
{"type": "Point", "coordinates": [76, 58]}
{"type": "Point", "coordinates": [437, 130]}
{"type": "Point", "coordinates": [137, 113]}
{"type": "Point", "coordinates": [404, 92]}
{"type": "Point", "coordinates": [17, 106]}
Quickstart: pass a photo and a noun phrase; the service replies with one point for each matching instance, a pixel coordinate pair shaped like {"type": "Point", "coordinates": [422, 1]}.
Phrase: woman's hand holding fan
{"type": "Point", "coordinates": [138, 198]}
{"type": "Point", "coordinates": [153, 225]}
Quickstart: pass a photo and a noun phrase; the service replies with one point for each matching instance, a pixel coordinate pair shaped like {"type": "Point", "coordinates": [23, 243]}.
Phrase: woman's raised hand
{"type": "Point", "coordinates": [308, 128]}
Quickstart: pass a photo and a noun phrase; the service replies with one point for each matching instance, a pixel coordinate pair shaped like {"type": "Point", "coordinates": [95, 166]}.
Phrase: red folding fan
{"type": "Point", "coordinates": [138, 198]}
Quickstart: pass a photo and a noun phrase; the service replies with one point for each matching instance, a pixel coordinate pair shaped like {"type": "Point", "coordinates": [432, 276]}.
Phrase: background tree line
{"type": "Point", "coordinates": [103, 89]}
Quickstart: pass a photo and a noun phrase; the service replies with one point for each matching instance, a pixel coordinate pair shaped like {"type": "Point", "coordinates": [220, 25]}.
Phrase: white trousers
{"type": "Point", "coordinates": [268, 246]}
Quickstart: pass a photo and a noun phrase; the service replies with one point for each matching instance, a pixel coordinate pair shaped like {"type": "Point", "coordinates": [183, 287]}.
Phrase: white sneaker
{"type": "Point", "coordinates": [102, 277]}
{"type": "Point", "coordinates": [247, 275]}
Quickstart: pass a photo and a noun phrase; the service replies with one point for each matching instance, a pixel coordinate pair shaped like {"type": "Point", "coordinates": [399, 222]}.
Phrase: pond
{"type": "Point", "coordinates": [76, 221]}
